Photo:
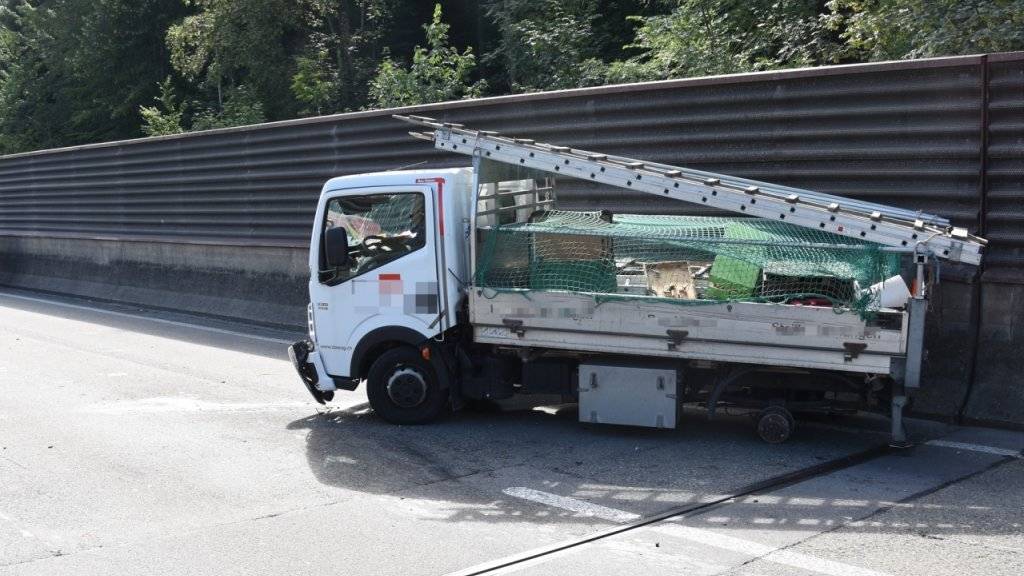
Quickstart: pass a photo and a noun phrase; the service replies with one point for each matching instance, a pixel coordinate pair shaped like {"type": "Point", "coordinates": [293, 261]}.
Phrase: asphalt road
{"type": "Point", "coordinates": [143, 442]}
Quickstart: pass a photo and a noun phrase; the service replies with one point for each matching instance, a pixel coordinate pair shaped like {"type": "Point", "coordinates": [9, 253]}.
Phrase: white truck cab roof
{"type": "Point", "coordinates": [393, 178]}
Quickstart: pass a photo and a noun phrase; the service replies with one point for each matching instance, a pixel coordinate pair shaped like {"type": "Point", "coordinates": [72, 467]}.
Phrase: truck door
{"type": "Point", "coordinates": [390, 278]}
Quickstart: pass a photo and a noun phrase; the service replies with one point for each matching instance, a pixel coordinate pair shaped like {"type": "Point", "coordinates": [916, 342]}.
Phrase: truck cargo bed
{"type": "Point", "coordinates": [741, 332]}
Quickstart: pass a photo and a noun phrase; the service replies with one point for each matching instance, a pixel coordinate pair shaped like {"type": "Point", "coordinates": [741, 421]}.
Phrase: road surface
{"type": "Point", "coordinates": [144, 442]}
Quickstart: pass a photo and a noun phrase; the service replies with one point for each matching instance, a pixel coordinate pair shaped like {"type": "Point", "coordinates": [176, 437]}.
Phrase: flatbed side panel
{"type": "Point", "coordinates": [694, 350]}
{"type": "Point", "coordinates": [797, 328]}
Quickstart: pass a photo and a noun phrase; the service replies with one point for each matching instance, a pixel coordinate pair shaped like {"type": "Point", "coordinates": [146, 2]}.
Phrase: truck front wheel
{"type": "Point", "coordinates": [403, 388]}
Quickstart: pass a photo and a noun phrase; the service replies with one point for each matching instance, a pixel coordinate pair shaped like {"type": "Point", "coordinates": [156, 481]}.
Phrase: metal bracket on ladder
{"type": "Point", "coordinates": [900, 229]}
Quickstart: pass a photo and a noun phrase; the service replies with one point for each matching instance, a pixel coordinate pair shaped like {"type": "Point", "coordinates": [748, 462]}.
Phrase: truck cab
{"type": "Point", "coordinates": [386, 257]}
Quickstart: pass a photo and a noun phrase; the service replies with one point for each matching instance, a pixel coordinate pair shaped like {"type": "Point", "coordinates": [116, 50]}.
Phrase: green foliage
{"type": "Point", "coordinates": [228, 43]}
{"type": "Point", "coordinates": [79, 71]}
{"type": "Point", "coordinates": [706, 37]}
{"type": "Point", "coordinates": [344, 43]}
{"type": "Point", "coordinates": [314, 83]}
{"type": "Point", "coordinates": [241, 107]}
{"type": "Point", "coordinates": [166, 118]}
{"type": "Point", "coordinates": [546, 44]}
{"type": "Point", "coordinates": [438, 72]}
{"type": "Point", "coordinates": [896, 29]}
{"type": "Point", "coordinates": [694, 39]}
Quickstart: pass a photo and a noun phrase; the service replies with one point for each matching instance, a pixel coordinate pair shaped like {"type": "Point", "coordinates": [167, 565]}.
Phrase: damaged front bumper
{"type": "Point", "coordinates": [307, 363]}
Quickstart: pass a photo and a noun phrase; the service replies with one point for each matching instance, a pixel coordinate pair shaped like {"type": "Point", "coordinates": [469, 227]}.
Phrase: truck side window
{"type": "Point", "coordinates": [380, 228]}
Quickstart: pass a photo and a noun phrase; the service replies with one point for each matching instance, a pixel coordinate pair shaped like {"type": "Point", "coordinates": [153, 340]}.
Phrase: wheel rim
{"type": "Point", "coordinates": [407, 388]}
{"type": "Point", "coordinates": [774, 428]}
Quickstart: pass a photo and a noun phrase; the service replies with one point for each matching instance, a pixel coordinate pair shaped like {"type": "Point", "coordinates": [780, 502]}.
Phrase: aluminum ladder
{"type": "Point", "coordinates": [900, 229]}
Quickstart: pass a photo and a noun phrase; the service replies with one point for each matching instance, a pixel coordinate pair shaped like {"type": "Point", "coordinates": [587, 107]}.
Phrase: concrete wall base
{"type": "Point", "coordinates": [997, 396]}
{"type": "Point", "coordinates": [262, 285]}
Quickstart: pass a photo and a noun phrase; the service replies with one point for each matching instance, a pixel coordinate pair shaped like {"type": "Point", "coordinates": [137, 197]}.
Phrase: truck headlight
{"type": "Point", "coordinates": [310, 323]}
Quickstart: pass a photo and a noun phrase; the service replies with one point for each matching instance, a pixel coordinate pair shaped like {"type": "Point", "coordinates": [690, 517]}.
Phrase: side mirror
{"type": "Point", "coordinates": [336, 247]}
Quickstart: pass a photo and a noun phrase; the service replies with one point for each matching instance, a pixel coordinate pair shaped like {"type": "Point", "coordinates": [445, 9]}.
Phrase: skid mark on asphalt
{"type": "Point", "coordinates": [673, 528]}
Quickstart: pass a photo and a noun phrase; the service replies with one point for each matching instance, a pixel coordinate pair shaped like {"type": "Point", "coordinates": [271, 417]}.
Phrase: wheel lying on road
{"type": "Point", "coordinates": [775, 424]}
{"type": "Point", "coordinates": [403, 388]}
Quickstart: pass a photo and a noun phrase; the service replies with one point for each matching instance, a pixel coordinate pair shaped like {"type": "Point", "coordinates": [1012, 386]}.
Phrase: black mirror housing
{"type": "Point", "coordinates": [336, 247]}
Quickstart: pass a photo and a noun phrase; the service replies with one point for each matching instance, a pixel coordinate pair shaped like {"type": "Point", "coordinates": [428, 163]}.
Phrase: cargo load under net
{"type": "Point", "coordinates": [688, 260]}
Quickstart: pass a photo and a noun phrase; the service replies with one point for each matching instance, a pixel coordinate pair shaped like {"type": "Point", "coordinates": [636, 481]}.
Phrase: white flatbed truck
{"type": "Point", "coordinates": [396, 304]}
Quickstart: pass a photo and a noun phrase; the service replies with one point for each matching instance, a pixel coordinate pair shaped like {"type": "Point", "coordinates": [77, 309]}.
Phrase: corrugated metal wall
{"type": "Point", "coordinates": [1004, 197]}
{"type": "Point", "coordinates": [907, 133]}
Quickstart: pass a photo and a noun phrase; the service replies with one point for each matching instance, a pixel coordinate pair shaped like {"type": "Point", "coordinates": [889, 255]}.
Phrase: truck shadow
{"type": "Point", "coordinates": [471, 467]}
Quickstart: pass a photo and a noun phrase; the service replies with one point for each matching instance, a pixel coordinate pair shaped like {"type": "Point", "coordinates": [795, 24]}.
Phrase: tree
{"type": "Point", "coordinates": [897, 29]}
{"type": "Point", "coordinates": [168, 117]}
{"type": "Point", "coordinates": [76, 71]}
{"type": "Point", "coordinates": [241, 107]}
{"type": "Point", "coordinates": [438, 72]}
{"type": "Point", "coordinates": [705, 37]}
{"type": "Point", "coordinates": [344, 42]}
{"type": "Point", "coordinates": [546, 44]}
{"type": "Point", "coordinates": [230, 43]}
{"type": "Point", "coordinates": [694, 39]}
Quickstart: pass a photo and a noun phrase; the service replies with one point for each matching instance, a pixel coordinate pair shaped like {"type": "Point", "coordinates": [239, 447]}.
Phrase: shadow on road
{"type": "Point", "coordinates": [462, 469]}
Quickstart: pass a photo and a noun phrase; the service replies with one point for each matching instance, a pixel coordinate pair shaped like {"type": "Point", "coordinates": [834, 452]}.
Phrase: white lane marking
{"type": "Point", "coordinates": [974, 448]}
{"type": "Point", "coordinates": [572, 504]}
{"type": "Point", "coordinates": [764, 552]}
{"type": "Point", "coordinates": [149, 318]}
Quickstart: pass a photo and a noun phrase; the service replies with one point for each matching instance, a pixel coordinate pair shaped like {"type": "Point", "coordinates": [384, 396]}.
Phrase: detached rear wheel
{"type": "Point", "coordinates": [403, 388]}
{"type": "Point", "coordinates": [775, 424]}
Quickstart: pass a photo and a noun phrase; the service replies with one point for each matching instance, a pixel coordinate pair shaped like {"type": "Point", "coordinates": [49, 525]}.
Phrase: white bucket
{"type": "Point", "coordinates": [893, 293]}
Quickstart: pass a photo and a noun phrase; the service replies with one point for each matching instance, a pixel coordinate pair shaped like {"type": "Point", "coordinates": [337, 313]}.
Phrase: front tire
{"type": "Point", "coordinates": [403, 388]}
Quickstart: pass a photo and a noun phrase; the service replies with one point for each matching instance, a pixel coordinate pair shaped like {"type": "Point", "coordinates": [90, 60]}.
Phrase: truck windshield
{"type": "Point", "coordinates": [380, 228]}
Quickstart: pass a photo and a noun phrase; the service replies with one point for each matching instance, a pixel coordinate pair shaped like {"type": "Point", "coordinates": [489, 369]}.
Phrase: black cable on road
{"type": "Point", "coordinates": [769, 485]}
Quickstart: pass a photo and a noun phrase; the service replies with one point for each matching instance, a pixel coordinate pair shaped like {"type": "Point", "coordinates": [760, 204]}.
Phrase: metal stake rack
{"type": "Point", "coordinates": [901, 230]}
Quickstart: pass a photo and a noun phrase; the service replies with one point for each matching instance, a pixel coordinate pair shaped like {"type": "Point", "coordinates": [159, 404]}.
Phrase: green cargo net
{"type": "Point", "coordinates": [681, 259]}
